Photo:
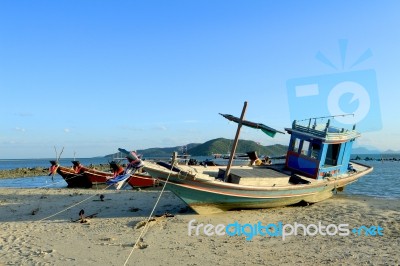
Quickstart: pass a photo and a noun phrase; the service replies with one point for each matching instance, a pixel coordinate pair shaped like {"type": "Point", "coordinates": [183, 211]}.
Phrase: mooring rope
{"type": "Point", "coordinates": [69, 178]}
{"type": "Point", "coordinates": [52, 184]}
{"type": "Point", "coordinates": [46, 187]}
{"type": "Point", "coordinates": [145, 228]}
{"type": "Point", "coordinates": [76, 204]}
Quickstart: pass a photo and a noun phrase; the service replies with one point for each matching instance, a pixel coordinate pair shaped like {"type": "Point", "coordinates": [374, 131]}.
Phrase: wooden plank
{"type": "Point", "coordinates": [235, 142]}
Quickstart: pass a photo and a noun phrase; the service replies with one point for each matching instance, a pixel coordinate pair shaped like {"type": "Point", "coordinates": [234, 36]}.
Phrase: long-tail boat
{"type": "Point", "coordinates": [79, 176]}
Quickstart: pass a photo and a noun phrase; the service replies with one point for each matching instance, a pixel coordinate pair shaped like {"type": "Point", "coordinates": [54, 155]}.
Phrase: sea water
{"type": "Point", "coordinates": [55, 181]}
{"type": "Point", "coordinates": [31, 163]}
{"type": "Point", "coordinates": [382, 182]}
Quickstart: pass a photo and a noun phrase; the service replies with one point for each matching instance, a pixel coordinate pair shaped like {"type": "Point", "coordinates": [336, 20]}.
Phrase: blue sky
{"type": "Point", "coordinates": [92, 76]}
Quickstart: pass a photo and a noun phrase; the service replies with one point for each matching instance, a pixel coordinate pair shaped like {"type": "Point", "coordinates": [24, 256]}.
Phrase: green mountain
{"type": "Point", "coordinates": [224, 146]}
{"type": "Point", "coordinates": [220, 145]}
{"type": "Point", "coordinates": [159, 152]}
{"type": "Point", "coordinates": [167, 152]}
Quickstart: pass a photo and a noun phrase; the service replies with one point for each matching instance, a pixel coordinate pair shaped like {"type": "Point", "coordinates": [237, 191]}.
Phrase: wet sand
{"type": "Point", "coordinates": [32, 233]}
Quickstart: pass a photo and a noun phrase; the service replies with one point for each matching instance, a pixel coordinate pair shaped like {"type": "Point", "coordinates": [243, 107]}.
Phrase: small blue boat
{"type": "Point", "coordinates": [317, 164]}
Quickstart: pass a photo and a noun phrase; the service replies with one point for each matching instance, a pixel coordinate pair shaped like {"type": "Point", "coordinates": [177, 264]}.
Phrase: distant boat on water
{"type": "Point", "coordinates": [223, 159]}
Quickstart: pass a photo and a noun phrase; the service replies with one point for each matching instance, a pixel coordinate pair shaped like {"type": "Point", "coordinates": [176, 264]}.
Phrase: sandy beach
{"type": "Point", "coordinates": [37, 229]}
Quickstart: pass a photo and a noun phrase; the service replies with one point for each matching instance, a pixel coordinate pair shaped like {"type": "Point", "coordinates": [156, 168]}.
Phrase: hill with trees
{"type": "Point", "coordinates": [215, 146]}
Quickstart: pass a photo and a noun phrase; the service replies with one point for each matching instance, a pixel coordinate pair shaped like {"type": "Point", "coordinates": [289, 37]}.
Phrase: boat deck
{"type": "Point", "coordinates": [258, 176]}
{"type": "Point", "coordinates": [271, 175]}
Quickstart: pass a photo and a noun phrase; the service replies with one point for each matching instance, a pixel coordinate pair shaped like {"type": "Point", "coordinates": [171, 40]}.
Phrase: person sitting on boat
{"type": "Point", "coordinates": [134, 163]}
{"type": "Point", "coordinates": [267, 160]}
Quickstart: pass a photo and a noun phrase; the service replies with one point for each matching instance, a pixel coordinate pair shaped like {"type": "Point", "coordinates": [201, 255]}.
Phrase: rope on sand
{"type": "Point", "coordinates": [146, 227]}
{"type": "Point", "coordinates": [49, 185]}
{"type": "Point", "coordinates": [71, 206]}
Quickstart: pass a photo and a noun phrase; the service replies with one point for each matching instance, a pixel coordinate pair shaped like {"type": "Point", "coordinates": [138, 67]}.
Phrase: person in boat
{"type": "Point", "coordinates": [254, 160]}
{"type": "Point", "coordinates": [258, 161]}
{"type": "Point", "coordinates": [134, 164]}
{"type": "Point", "coordinates": [267, 160]}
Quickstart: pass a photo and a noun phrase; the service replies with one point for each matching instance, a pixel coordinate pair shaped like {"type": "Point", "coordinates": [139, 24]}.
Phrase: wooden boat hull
{"type": "Point", "coordinates": [74, 180]}
{"type": "Point", "coordinates": [95, 177]}
{"type": "Point", "coordinates": [142, 180]}
{"type": "Point", "coordinates": [136, 180]}
{"type": "Point", "coordinates": [206, 201]}
{"type": "Point", "coordinates": [87, 178]}
{"type": "Point", "coordinates": [207, 196]}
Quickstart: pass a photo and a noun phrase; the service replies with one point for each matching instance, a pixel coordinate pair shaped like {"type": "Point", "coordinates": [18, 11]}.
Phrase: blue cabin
{"type": "Point", "coordinates": [319, 151]}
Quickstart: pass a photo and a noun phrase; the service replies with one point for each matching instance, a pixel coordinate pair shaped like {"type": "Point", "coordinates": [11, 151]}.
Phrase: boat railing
{"type": "Point", "coordinates": [310, 130]}
{"type": "Point", "coordinates": [327, 132]}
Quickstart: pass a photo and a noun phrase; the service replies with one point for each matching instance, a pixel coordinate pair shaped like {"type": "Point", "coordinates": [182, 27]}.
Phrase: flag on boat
{"type": "Point", "coordinates": [119, 181]}
{"type": "Point", "coordinates": [266, 129]}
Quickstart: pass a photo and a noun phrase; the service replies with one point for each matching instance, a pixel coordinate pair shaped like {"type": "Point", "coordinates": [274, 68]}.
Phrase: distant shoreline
{"type": "Point", "coordinates": [39, 171]}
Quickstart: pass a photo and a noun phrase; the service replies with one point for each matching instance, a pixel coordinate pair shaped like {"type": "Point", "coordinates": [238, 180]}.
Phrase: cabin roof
{"type": "Point", "coordinates": [324, 132]}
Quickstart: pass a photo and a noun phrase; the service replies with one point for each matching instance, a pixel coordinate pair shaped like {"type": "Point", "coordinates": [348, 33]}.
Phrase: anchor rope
{"type": "Point", "coordinates": [49, 185]}
{"type": "Point", "coordinates": [69, 178]}
{"type": "Point", "coordinates": [145, 228]}
{"type": "Point", "coordinates": [55, 183]}
{"type": "Point", "coordinates": [76, 204]}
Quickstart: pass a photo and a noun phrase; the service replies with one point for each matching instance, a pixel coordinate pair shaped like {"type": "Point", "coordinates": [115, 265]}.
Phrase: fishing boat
{"type": "Point", "coordinates": [317, 164]}
{"type": "Point", "coordinates": [137, 179]}
{"type": "Point", "coordinates": [71, 175]}
{"type": "Point", "coordinates": [79, 176]}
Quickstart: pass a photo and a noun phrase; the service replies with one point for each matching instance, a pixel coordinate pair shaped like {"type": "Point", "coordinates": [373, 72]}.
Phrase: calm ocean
{"type": "Point", "coordinates": [382, 182]}
{"type": "Point", "coordinates": [30, 163]}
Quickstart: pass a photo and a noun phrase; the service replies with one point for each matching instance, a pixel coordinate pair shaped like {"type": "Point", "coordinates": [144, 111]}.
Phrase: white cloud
{"type": "Point", "coordinates": [67, 130]}
{"type": "Point", "coordinates": [131, 128]}
{"type": "Point", "coordinates": [23, 114]}
{"type": "Point", "coordinates": [20, 129]}
{"type": "Point", "coordinates": [161, 128]}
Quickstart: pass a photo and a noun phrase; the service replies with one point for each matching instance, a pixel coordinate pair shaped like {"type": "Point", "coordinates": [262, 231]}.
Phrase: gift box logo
{"type": "Point", "coordinates": [352, 92]}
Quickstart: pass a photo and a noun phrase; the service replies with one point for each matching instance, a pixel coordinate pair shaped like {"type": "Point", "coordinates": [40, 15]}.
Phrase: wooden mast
{"type": "Point", "coordinates": [235, 142]}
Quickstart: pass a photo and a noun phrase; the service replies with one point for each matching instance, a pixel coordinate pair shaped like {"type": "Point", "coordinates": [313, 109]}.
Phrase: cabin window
{"type": "Point", "coordinates": [305, 148]}
{"type": "Point", "coordinates": [332, 154]}
{"type": "Point", "coordinates": [294, 145]}
{"type": "Point", "coordinates": [316, 148]}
